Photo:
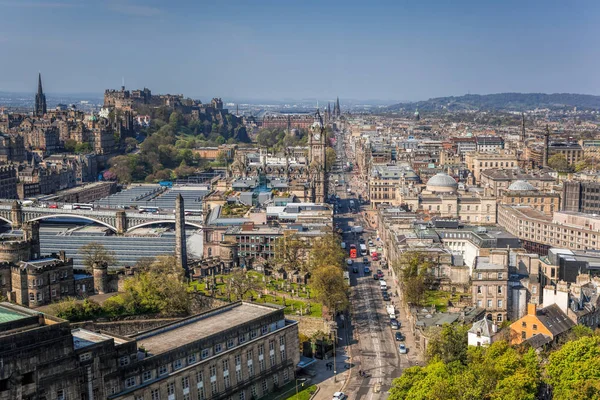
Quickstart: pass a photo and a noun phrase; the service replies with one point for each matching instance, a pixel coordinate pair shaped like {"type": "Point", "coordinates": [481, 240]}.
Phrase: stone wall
{"type": "Point", "coordinates": [310, 325]}
{"type": "Point", "coordinates": [123, 327]}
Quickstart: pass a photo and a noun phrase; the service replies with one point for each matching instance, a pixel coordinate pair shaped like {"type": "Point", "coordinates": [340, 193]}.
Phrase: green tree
{"type": "Point", "coordinates": [176, 120]}
{"type": "Point", "coordinates": [289, 253]}
{"type": "Point", "coordinates": [558, 162]}
{"type": "Point", "coordinates": [70, 145]}
{"type": "Point", "coordinates": [326, 251]}
{"type": "Point", "coordinates": [83, 148]}
{"type": "Point", "coordinates": [330, 157]}
{"type": "Point", "coordinates": [574, 370]}
{"type": "Point", "coordinates": [241, 284]}
{"type": "Point", "coordinates": [330, 287]}
{"type": "Point", "coordinates": [413, 268]}
{"type": "Point", "coordinates": [96, 253]}
{"type": "Point", "coordinates": [448, 343]}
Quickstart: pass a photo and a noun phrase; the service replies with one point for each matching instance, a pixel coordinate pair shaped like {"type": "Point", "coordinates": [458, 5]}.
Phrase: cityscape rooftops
{"type": "Point", "coordinates": [202, 326]}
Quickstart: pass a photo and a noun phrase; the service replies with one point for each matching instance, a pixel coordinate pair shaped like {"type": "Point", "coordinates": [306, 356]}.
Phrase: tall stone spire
{"type": "Point", "coordinates": [523, 127]}
{"type": "Point", "coordinates": [336, 109]}
{"type": "Point", "coordinates": [180, 239]}
{"type": "Point", "coordinates": [40, 99]}
{"type": "Point", "coordinates": [545, 149]}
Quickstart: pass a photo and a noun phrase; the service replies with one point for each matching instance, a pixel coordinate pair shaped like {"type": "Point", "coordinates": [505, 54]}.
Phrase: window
{"type": "Point", "coordinates": [253, 334]}
{"type": "Point", "coordinates": [500, 275]}
{"type": "Point", "coordinates": [500, 304]}
{"type": "Point", "coordinates": [225, 365]}
{"type": "Point", "coordinates": [60, 394]}
{"type": "Point", "coordinates": [264, 330]}
{"type": "Point", "coordinates": [499, 289]}
{"type": "Point", "coordinates": [282, 341]}
{"type": "Point", "coordinates": [272, 359]}
{"type": "Point", "coordinates": [489, 304]}
{"type": "Point", "coordinates": [264, 386]}
{"type": "Point", "coordinates": [276, 380]}
{"type": "Point", "coordinates": [146, 376]}
{"type": "Point", "coordinates": [250, 370]}
{"type": "Point", "coordinates": [185, 382]}
{"type": "Point", "coordinates": [204, 354]}
{"type": "Point", "coordinates": [286, 375]}
{"type": "Point", "coordinates": [242, 338]}
{"type": "Point", "coordinates": [170, 388]}
{"type": "Point", "coordinates": [523, 335]}
{"type": "Point", "coordinates": [253, 391]}
{"type": "Point", "coordinates": [212, 371]}
{"type": "Point", "coordinates": [213, 387]}
{"type": "Point", "coordinates": [271, 345]}
{"type": "Point", "coordinates": [230, 343]}
{"type": "Point", "coordinates": [124, 361]}
{"type": "Point", "coordinates": [226, 381]}
{"type": "Point", "coordinates": [31, 297]}
{"type": "Point", "coordinates": [282, 354]}
{"type": "Point", "coordinates": [218, 348]}
{"type": "Point", "coordinates": [479, 303]}
{"type": "Point", "coordinates": [261, 349]}
{"type": "Point", "coordinates": [39, 297]}
{"type": "Point", "coordinates": [242, 395]}
{"type": "Point", "coordinates": [201, 394]}
{"type": "Point", "coordinates": [261, 364]}
{"type": "Point", "coordinates": [186, 396]}
{"type": "Point", "coordinates": [199, 379]}
{"type": "Point", "coordinates": [163, 369]}
{"type": "Point", "coordinates": [191, 359]}
{"type": "Point", "coordinates": [478, 289]}
{"type": "Point", "coordinates": [535, 327]}
{"type": "Point", "coordinates": [238, 359]}
{"type": "Point", "coordinates": [130, 382]}
{"type": "Point", "coordinates": [177, 364]}
{"type": "Point", "coordinates": [524, 324]}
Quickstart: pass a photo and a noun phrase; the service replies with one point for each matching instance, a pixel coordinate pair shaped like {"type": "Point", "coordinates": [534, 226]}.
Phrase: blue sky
{"type": "Point", "coordinates": [394, 50]}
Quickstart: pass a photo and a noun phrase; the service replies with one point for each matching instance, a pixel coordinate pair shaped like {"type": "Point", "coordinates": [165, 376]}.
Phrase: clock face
{"type": "Point", "coordinates": [317, 136]}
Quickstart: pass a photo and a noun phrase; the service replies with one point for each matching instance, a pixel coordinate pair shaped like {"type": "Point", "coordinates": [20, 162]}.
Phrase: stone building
{"type": "Point", "coordinates": [12, 148]}
{"type": "Point", "coordinates": [490, 285]}
{"type": "Point", "coordinates": [499, 180]}
{"type": "Point", "coordinates": [240, 351]}
{"type": "Point", "coordinates": [581, 197]}
{"type": "Point", "coordinates": [8, 182]}
{"type": "Point", "coordinates": [477, 162]}
{"type": "Point", "coordinates": [524, 193]}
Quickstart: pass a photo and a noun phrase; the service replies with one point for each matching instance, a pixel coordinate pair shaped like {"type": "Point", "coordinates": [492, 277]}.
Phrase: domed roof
{"type": "Point", "coordinates": [441, 182]}
{"type": "Point", "coordinates": [521, 186]}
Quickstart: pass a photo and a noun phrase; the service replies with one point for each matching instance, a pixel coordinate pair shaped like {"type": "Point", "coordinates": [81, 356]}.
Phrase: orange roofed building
{"type": "Point", "coordinates": [549, 322]}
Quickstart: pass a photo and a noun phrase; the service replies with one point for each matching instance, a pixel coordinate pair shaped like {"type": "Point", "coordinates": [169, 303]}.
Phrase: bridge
{"type": "Point", "coordinates": [119, 221]}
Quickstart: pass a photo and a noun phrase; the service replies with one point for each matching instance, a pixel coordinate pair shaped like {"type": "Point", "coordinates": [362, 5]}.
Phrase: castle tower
{"type": "Point", "coordinates": [31, 234]}
{"type": "Point", "coordinates": [180, 245]}
{"type": "Point", "coordinates": [100, 273]}
{"type": "Point", "coordinates": [545, 149]}
{"type": "Point", "coordinates": [40, 99]}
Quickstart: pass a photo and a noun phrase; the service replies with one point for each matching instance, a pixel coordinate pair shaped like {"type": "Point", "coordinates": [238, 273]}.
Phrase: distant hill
{"type": "Point", "coordinates": [502, 102]}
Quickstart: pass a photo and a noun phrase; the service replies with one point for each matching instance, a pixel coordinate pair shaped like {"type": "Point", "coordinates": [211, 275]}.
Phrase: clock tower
{"type": "Point", "coordinates": [317, 160]}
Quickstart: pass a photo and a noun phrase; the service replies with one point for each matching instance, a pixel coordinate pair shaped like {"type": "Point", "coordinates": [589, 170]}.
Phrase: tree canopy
{"type": "Point", "coordinates": [96, 253]}
{"type": "Point", "coordinates": [413, 269]}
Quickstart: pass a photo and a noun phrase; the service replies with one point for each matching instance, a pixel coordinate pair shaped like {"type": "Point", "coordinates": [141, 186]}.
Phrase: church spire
{"type": "Point", "coordinates": [336, 109]}
{"type": "Point", "coordinates": [40, 99]}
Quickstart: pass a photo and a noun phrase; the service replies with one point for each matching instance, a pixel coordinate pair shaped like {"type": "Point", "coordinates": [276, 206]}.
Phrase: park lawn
{"type": "Point", "coordinates": [437, 298]}
{"type": "Point", "coordinates": [304, 394]}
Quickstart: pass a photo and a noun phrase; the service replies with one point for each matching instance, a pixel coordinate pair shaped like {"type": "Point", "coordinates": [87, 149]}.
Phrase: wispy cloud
{"type": "Point", "coordinates": [136, 10]}
{"type": "Point", "coordinates": [38, 4]}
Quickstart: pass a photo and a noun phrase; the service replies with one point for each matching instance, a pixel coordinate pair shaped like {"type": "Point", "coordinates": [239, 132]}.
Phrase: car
{"type": "Point", "coordinates": [402, 348]}
{"type": "Point", "coordinates": [375, 258]}
{"type": "Point", "coordinates": [399, 337]}
{"type": "Point", "coordinates": [355, 269]}
{"type": "Point", "coordinates": [386, 296]}
{"type": "Point", "coordinates": [361, 240]}
{"type": "Point", "coordinates": [379, 272]}
{"type": "Point", "coordinates": [370, 243]}
{"type": "Point", "coordinates": [375, 277]}
{"type": "Point", "coordinates": [367, 270]}
{"type": "Point", "coordinates": [394, 323]}
{"type": "Point", "coordinates": [365, 260]}
{"type": "Point", "coordinates": [339, 396]}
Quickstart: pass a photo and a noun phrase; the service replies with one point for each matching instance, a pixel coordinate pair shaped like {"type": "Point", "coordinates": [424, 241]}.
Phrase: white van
{"type": "Point", "coordinates": [382, 285]}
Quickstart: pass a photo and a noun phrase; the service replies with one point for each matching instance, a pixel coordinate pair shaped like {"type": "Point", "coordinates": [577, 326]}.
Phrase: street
{"type": "Point", "coordinates": [373, 349]}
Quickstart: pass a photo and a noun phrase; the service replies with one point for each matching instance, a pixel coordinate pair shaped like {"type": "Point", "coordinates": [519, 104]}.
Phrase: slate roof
{"type": "Point", "coordinates": [554, 319]}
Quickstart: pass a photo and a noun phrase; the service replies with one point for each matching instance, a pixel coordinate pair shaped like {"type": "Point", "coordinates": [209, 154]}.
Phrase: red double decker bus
{"type": "Point", "coordinates": [352, 251]}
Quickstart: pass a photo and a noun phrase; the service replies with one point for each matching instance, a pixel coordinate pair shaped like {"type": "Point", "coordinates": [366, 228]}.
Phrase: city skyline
{"type": "Point", "coordinates": [395, 52]}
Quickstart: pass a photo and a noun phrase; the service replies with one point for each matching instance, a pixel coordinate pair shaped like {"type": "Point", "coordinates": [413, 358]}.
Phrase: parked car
{"type": "Point", "coordinates": [365, 260]}
{"type": "Point", "coordinates": [386, 296]}
{"type": "Point", "coordinates": [339, 396]}
{"type": "Point", "coordinates": [402, 348]}
{"type": "Point", "coordinates": [355, 269]}
{"type": "Point", "coordinates": [367, 270]}
{"type": "Point", "coordinates": [394, 323]}
{"type": "Point", "coordinates": [400, 337]}
{"type": "Point", "coordinates": [379, 272]}
{"type": "Point", "coordinates": [375, 277]}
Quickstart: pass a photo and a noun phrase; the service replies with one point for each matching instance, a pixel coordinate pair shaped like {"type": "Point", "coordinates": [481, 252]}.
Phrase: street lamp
{"type": "Point", "coordinates": [299, 380]}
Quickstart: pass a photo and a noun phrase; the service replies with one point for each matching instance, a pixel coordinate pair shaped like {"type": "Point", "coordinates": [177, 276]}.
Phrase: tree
{"type": "Point", "coordinates": [326, 251]}
{"type": "Point", "coordinates": [83, 148]}
{"type": "Point", "coordinates": [330, 287]}
{"type": "Point", "coordinates": [448, 343]}
{"type": "Point", "coordinates": [241, 284]}
{"type": "Point", "coordinates": [574, 370]}
{"type": "Point", "coordinates": [70, 145]}
{"type": "Point", "coordinates": [558, 162]}
{"type": "Point", "coordinates": [130, 144]}
{"type": "Point", "coordinates": [289, 253]}
{"type": "Point", "coordinates": [159, 288]}
{"type": "Point", "coordinates": [95, 253]}
{"type": "Point", "coordinates": [330, 157]}
{"type": "Point", "coordinates": [413, 269]}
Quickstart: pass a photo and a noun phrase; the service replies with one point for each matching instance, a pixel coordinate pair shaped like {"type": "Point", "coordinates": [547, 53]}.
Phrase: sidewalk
{"type": "Point", "coordinates": [323, 376]}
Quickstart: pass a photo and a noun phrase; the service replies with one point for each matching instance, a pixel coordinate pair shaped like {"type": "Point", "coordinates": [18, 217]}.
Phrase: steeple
{"type": "Point", "coordinates": [336, 109]}
{"type": "Point", "coordinates": [40, 99]}
{"type": "Point", "coordinates": [328, 110]}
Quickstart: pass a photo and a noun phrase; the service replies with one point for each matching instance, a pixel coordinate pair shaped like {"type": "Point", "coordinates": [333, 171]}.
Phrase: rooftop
{"type": "Point", "coordinates": [201, 326]}
{"type": "Point", "coordinates": [84, 338]}
{"type": "Point", "coordinates": [9, 314]}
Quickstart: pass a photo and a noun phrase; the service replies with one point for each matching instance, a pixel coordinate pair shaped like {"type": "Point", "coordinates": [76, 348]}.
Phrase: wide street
{"type": "Point", "coordinates": [373, 347]}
